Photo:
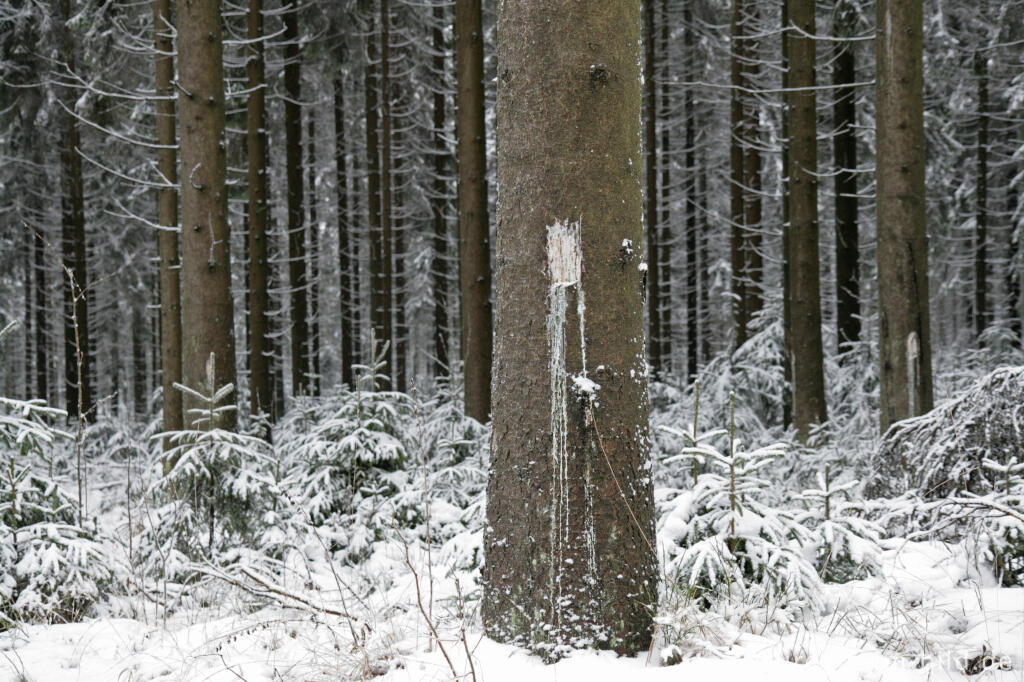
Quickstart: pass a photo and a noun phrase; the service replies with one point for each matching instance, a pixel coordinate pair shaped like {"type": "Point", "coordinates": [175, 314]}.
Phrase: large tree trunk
{"type": "Point", "coordinates": [378, 304]}
{"type": "Point", "coordinates": [753, 262]}
{"type": "Point", "coordinates": [387, 239]}
{"type": "Point", "coordinates": [844, 149]}
{"type": "Point", "coordinates": [297, 281]}
{"type": "Point", "coordinates": [207, 307]}
{"type": "Point", "coordinates": [569, 560]}
{"type": "Point", "coordinates": [260, 395]}
{"type": "Point", "coordinates": [981, 309]}
{"type": "Point", "coordinates": [77, 355]}
{"type": "Point", "coordinates": [808, 363]}
{"type": "Point", "coordinates": [474, 227]}
{"type": "Point", "coordinates": [346, 285]}
{"type": "Point", "coordinates": [438, 204]}
{"type": "Point", "coordinates": [787, 288]}
{"type": "Point", "coordinates": [654, 302]}
{"type": "Point", "coordinates": [903, 315]}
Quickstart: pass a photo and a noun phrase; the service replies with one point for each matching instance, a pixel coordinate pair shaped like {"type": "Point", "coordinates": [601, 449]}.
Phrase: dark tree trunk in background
{"type": "Point", "coordinates": [787, 287]}
{"type": "Point", "coordinates": [42, 313]}
{"type": "Point", "coordinates": [753, 262]}
{"type": "Point", "coordinates": [314, 261]}
{"type": "Point", "coordinates": [654, 303]}
{"type": "Point", "coordinates": [297, 282]}
{"type": "Point", "coordinates": [387, 239]}
{"type": "Point", "coordinates": [904, 326]}
{"type": "Point", "coordinates": [207, 307]}
{"type": "Point", "coordinates": [260, 394]}
{"type": "Point", "coordinates": [665, 240]}
{"type": "Point", "coordinates": [400, 330]}
{"type": "Point", "coordinates": [139, 397]}
{"type": "Point", "coordinates": [570, 513]}
{"type": "Point", "coordinates": [809, 406]}
{"type": "Point", "coordinates": [77, 355]}
{"type": "Point", "coordinates": [439, 266]}
{"type": "Point", "coordinates": [347, 286]}
{"type": "Point", "coordinates": [1014, 267]}
{"type": "Point", "coordinates": [27, 302]}
{"type": "Point", "coordinates": [474, 226]}
{"type": "Point", "coordinates": [737, 189]}
{"type": "Point", "coordinates": [378, 309]}
{"type": "Point", "coordinates": [844, 149]}
{"type": "Point", "coordinates": [982, 316]}
{"type": "Point", "coordinates": [692, 307]}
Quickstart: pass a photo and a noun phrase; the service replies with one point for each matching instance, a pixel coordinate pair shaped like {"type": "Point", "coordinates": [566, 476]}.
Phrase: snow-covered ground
{"type": "Point", "coordinates": [928, 615]}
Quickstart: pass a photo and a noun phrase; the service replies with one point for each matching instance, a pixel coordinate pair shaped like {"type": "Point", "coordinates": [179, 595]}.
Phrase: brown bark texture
{"type": "Point", "coordinates": [569, 560]}
{"type": "Point", "coordinates": [207, 308]}
{"type": "Point", "coordinates": [474, 221]}
{"type": "Point", "coordinates": [903, 316]}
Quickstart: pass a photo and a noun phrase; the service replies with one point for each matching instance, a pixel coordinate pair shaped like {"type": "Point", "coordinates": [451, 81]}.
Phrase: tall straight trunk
{"type": "Point", "coordinates": [77, 355]}
{"type": "Point", "coordinates": [297, 281]}
{"type": "Point", "coordinates": [569, 560]}
{"type": "Point", "coordinates": [439, 264]}
{"type": "Point", "coordinates": [207, 307]}
{"type": "Point", "coordinates": [808, 363]}
{"type": "Point", "coordinates": [787, 288]}
{"type": "Point", "coordinates": [474, 224]}
{"type": "Point", "coordinates": [737, 172]}
{"type": "Point", "coordinates": [314, 260]}
{"type": "Point", "coordinates": [981, 310]}
{"type": "Point", "coordinates": [690, 155]}
{"type": "Point", "coordinates": [704, 247]}
{"type": "Point", "coordinates": [400, 330]}
{"type": "Point", "coordinates": [379, 313]}
{"type": "Point", "coordinates": [665, 240]}
{"type": "Point", "coordinates": [259, 269]}
{"type": "Point", "coordinates": [753, 262]}
{"type": "Point", "coordinates": [654, 303]}
{"type": "Point", "coordinates": [1014, 268]}
{"type": "Point", "coordinates": [346, 289]}
{"type": "Point", "coordinates": [844, 149]}
{"type": "Point", "coordinates": [42, 313]}
{"type": "Point", "coordinates": [903, 313]}
{"type": "Point", "coordinates": [387, 243]}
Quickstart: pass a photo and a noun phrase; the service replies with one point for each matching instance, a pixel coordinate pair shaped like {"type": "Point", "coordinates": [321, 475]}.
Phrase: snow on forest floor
{"type": "Point", "coordinates": [930, 612]}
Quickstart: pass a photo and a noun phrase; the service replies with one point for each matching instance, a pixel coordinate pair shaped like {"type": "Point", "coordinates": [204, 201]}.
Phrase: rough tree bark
{"type": "Point", "coordinates": [207, 308]}
{"type": "Point", "coordinates": [903, 312]}
{"type": "Point", "coordinates": [260, 396]}
{"type": "Point", "coordinates": [570, 515]}
{"type": "Point", "coordinates": [805, 305]}
{"type": "Point", "coordinates": [692, 309]}
{"type": "Point", "coordinates": [982, 315]}
{"type": "Point", "coordinates": [474, 227]}
{"type": "Point", "coordinates": [314, 259]}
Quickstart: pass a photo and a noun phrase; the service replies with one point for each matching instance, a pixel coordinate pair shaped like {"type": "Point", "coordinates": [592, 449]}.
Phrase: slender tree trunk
{"type": "Point", "coordinates": [297, 281]}
{"type": "Point", "coordinates": [981, 309]}
{"type": "Point", "coordinates": [387, 239]}
{"type": "Point", "coordinates": [438, 205]}
{"type": "Point", "coordinates": [704, 241]}
{"type": "Point", "coordinates": [42, 313]}
{"type": "Point", "coordinates": [692, 306]}
{"type": "Point", "coordinates": [207, 307]}
{"type": "Point", "coordinates": [787, 287]}
{"type": "Point", "coordinates": [903, 313]}
{"type": "Point", "coordinates": [400, 331]}
{"type": "Point", "coordinates": [379, 313]}
{"type": "Point", "coordinates": [844, 149]}
{"type": "Point", "coordinates": [260, 394]}
{"type": "Point", "coordinates": [654, 304]}
{"type": "Point", "coordinates": [665, 240]}
{"type": "Point", "coordinates": [27, 302]}
{"type": "Point", "coordinates": [1014, 268]}
{"type": "Point", "coordinates": [314, 261]}
{"type": "Point", "coordinates": [569, 560]}
{"type": "Point", "coordinates": [77, 355]}
{"type": "Point", "coordinates": [737, 186]}
{"type": "Point", "coordinates": [139, 396]}
{"type": "Point", "coordinates": [474, 226]}
{"type": "Point", "coordinates": [346, 288]}
{"type": "Point", "coordinates": [753, 262]}
{"type": "Point", "coordinates": [808, 363]}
